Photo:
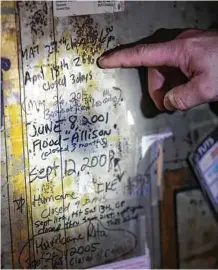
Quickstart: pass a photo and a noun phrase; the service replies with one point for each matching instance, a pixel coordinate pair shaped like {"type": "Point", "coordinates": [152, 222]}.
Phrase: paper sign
{"type": "Point", "coordinates": [70, 8]}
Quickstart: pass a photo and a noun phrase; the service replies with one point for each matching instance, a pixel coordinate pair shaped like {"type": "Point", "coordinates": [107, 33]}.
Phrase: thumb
{"type": "Point", "coordinates": [186, 96]}
{"type": "Point", "coordinates": [158, 54]}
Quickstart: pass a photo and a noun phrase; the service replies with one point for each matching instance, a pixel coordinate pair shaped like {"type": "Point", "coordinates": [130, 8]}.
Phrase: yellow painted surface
{"type": "Point", "coordinates": [7, 4]}
{"type": "Point", "coordinates": [18, 182]}
{"type": "Point", "coordinates": [15, 130]}
{"type": "Point", "coordinates": [14, 133]}
{"type": "Point", "coordinates": [114, 138]}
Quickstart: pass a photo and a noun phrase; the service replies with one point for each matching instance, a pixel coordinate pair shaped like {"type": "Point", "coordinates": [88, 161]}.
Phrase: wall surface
{"type": "Point", "coordinates": [74, 181]}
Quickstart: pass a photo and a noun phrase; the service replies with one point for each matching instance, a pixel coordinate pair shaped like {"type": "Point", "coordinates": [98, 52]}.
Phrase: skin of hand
{"type": "Point", "coordinates": [188, 63]}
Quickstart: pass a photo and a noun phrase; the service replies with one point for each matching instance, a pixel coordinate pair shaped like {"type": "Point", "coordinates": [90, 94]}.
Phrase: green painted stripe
{"type": "Point", "coordinates": [7, 10]}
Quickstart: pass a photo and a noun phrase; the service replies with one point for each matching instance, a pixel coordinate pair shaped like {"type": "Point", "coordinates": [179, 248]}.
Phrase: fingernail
{"type": "Point", "coordinates": [168, 104]}
{"type": "Point", "coordinates": [99, 62]}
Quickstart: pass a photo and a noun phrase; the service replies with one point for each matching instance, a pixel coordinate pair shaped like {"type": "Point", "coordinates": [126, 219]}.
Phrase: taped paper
{"type": "Point", "coordinates": [70, 8]}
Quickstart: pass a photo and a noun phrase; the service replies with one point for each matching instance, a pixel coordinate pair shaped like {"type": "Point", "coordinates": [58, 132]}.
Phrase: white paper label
{"type": "Point", "coordinates": [71, 8]}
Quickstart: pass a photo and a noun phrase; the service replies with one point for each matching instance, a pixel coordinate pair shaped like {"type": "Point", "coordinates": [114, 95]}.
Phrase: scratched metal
{"type": "Point", "coordinates": [80, 146]}
{"type": "Point", "coordinates": [37, 26]}
{"type": "Point", "coordinates": [13, 224]}
{"type": "Point", "coordinates": [198, 249]}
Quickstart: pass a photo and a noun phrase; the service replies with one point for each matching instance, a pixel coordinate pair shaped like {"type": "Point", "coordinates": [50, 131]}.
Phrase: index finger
{"type": "Point", "coordinates": [158, 54]}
